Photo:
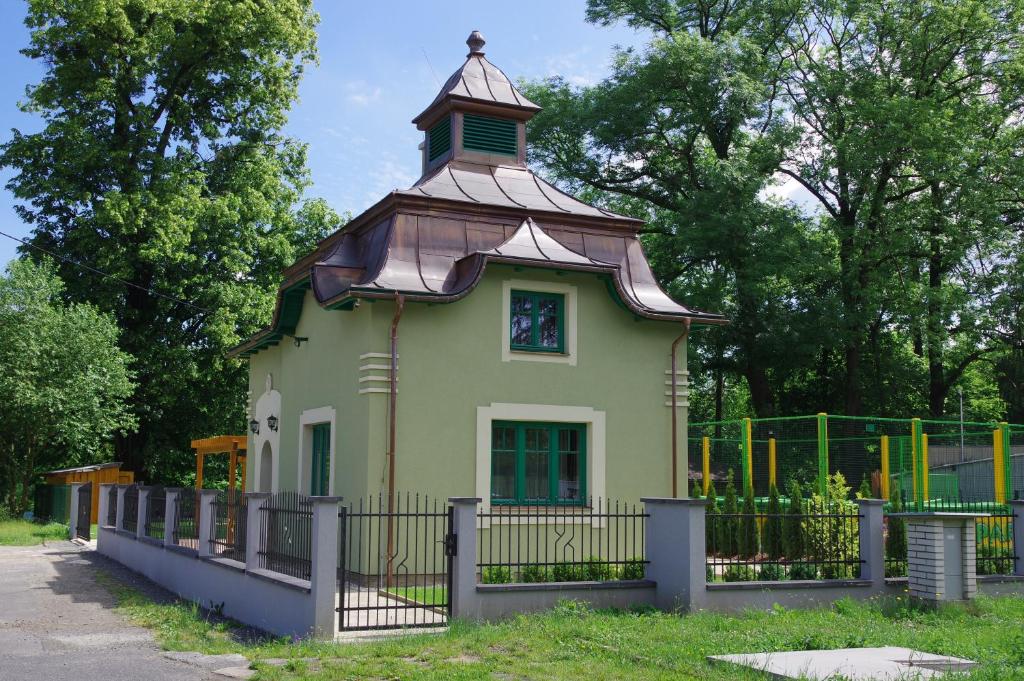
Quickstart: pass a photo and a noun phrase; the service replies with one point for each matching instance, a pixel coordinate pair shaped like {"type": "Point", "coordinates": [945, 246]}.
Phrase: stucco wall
{"type": "Point", "coordinates": [451, 363]}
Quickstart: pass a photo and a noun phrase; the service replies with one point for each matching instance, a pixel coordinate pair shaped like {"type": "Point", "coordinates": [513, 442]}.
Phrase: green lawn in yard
{"type": "Point", "coordinates": [427, 595]}
{"type": "Point", "coordinates": [573, 642]}
{"type": "Point", "coordinates": [25, 533]}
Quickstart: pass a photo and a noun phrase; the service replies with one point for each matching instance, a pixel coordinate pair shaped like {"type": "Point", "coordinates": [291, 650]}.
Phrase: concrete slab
{"type": "Point", "coordinates": [211, 662]}
{"type": "Point", "coordinates": [856, 664]}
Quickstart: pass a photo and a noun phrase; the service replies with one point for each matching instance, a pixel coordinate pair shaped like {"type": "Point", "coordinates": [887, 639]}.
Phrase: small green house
{"type": "Point", "coordinates": [479, 334]}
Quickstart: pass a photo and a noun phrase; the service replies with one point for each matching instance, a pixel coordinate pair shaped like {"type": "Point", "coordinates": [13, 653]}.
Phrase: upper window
{"type": "Point", "coordinates": [538, 463]}
{"type": "Point", "coordinates": [537, 321]}
{"type": "Point", "coordinates": [490, 135]}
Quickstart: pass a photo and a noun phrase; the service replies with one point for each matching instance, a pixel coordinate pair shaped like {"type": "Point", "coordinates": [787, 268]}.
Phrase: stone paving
{"type": "Point", "coordinates": [855, 664]}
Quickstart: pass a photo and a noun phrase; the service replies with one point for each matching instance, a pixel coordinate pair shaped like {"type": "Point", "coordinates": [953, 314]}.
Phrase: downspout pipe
{"type": "Point", "coordinates": [675, 435]}
{"type": "Point", "coordinates": [392, 428]}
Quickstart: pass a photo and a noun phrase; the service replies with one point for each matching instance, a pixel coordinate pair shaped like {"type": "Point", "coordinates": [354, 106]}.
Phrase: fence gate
{"type": "Point", "coordinates": [84, 512]}
{"type": "Point", "coordinates": [394, 563]}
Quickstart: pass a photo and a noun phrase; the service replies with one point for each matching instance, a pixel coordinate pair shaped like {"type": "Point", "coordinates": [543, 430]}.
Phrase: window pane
{"type": "Point", "coordinates": [548, 337]}
{"type": "Point", "coordinates": [538, 452]}
{"type": "Point", "coordinates": [522, 320]}
{"type": "Point", "coordinates": [503, 437]}
{"type": "Point", "coordinates": [503, 475]}
{"type": "Point", "coordinates": [570, 481]}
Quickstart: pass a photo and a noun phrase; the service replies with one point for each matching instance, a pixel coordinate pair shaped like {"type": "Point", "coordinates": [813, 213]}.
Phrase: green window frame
{"type": "Point", "coordinates": [533, 317]}
{"type": "Point", "coordinates": [538, 463]}
{"type": "Point", "coordinates": [320, 472]}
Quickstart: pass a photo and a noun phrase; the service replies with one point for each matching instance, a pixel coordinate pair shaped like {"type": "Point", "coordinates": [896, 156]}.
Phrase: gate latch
{"type": "Point", "coordinates": [451, 545]}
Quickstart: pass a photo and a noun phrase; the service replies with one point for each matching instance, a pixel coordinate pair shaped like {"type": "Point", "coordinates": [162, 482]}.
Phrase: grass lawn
{"type": "Point", "coordinates": [25, 533]}
{"type": "Point", "coordinates": [427, 595]}
{"type": "Point", "coordinates": [573, 642]}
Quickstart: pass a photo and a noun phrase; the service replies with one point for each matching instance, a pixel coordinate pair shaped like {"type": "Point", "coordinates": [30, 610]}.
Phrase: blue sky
{"type": "Point", "coordinates": [378, 68]}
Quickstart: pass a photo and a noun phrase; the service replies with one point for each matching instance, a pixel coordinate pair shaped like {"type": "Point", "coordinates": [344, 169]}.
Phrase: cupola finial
{"type": "Point", "coordinates": [476, 44]}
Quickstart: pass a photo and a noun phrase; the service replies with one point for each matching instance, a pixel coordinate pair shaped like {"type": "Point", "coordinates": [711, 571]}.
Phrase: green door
{"type": "Point", "coordinates": [321, 472]}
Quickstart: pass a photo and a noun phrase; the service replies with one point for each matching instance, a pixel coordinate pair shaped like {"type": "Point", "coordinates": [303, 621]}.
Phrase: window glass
{"type": "Point", "coordinates": [538, 468]}
{"type": "Point", "coordinates": [503, 464]}
{"type": "Point", "coordinates": [537, 321]}
{"type": "Point", "coordinates": [570, 486]}
{"type": "Point", "coordinates": [538, 463]}
{"type": "Point", "coordinates": [522, 320]}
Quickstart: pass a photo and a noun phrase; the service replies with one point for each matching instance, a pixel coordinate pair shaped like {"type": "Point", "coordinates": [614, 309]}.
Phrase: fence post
{"type": "Point", "coordinates": [872, 546]}
{"type": "Point", "coordinates": [885, 467]}
{"type": "Point", "coordinates": [73, 511]}
{"type": "Point", "coordinates": [323, 578]}
{"type": "Point", "coordinates": [255, 502]}
{"type": "Point", "coordinates": [823, 454]}
{"type": "Point", "coordinates": [207, 519]}
{"type": "Point", "coordinates": [140, 524]}
{"type": "Point", "coordinates": [463, 598]}
{"type": "Point", "coordinates": [119, 514]}
{"type": "Point", "coordinates": [170, 517]}
{"type": "Point", "coordinates": [915, 461]}
{"type": "Point", "coordinates": [676, 552]}
{"type": "Point", "coordinates": [706, 463]}
{"type": "Point", "coordinates": [1017, 508]}
{"type": "Point", "coordinates": [747, 447]}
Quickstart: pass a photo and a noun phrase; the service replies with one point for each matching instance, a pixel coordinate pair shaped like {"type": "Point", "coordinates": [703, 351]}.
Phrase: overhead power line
{"type": "Point", "coordinates": [101, 273]}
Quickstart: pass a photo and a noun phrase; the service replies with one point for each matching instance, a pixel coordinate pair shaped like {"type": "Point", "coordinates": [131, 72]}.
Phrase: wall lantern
{"type": "Point", "coordinates": [254, 427]}
{"type": "Point", "coordinates": [272, 422]}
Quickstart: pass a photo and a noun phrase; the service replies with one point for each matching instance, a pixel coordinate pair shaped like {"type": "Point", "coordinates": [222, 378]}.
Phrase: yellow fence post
{"type": "Point", "coordinates": [706, 443]}
{"type": "Point", "coordinates": [924, 466]}
{"type": "Point", "coordinates": [998, 457]}
{"type": "Point", "coordinates": [885, 467]}
{"type": "Point", "coordinates": [746, 438]}
{"type": "Point", "coordinates": [771, 462]}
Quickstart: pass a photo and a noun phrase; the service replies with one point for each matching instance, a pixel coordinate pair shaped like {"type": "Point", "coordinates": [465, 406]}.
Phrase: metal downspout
{"type": "Point", "coordinates": [392, 421]}
{"type": "Point", "coordinates": [675, 435]}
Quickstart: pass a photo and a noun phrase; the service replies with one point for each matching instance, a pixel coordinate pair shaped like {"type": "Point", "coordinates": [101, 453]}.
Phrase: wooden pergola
{"type": "Point", "coordinates": [232, 445]}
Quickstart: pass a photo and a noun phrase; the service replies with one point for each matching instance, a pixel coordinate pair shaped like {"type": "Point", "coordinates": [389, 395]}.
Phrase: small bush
{"type": "Point", "coordinates": [740, 573]}
{"type": "Point", "coordinates": [772, 572]}
{"type": "Point", "coordinates": [709, 574]}
{"type": "Point", "coordinates": [533, 574]}
{"type": "Point", "coordinates": [568, 572]}
{"type": "Point", "coordinates": [497, 575]}
{"type": "Point", "coordinates": [596, 570]}
{"type": "Point", "coordinates": [803, 571]}
{"type": "Point", "coordinates": [634, 569]}
{"type": "Point", "coordinates": [895, 569]}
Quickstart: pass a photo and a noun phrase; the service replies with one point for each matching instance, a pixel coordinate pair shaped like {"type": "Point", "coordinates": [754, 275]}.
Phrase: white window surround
{"type": "Point", "coordinates": [569, 326]}
{"type": "Point", "coordinates": [308, 419]}
{"type": "Point", "coordinates": [498, 411]}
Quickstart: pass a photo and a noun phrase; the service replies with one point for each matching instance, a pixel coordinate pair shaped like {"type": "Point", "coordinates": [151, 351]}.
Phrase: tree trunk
{"type": "Point", "coordinates": [936, 326]}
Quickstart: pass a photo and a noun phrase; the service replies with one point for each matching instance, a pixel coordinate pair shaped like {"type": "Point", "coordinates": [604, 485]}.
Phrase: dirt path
{"type": "Point", "coordinates": [57, 623]}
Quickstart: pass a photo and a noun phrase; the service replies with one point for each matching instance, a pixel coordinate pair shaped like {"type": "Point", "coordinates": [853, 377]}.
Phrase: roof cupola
{"type": "Point", "coordinates": [478, 116]}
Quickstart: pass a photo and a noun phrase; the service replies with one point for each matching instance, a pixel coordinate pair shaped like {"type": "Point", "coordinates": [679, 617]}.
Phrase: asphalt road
{"type": "Point", "coordinates": [58, 624]}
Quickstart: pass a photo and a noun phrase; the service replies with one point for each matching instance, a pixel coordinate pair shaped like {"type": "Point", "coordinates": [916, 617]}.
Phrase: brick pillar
{"type": "Point", "coordinates": [676, 552]}
{"type": "Point", "coordinates": [170, 518]}
{"type": "Point", "coordinates": [323, 578]}
{"type": "Point", "coordinates": [254, 503]}
{"type": "Point", "coordinates": [463, 598]}
{"type": "Point", "coordinates": [140, 525]}
{"type": "Point", "coordinates": [206, 511]}
{"type": "Point", "coordinates": [872, 547]}
{"type": "Point", "coordinates": [933, 540]}
{"type": "Point", "coordinates": [1017, 508]}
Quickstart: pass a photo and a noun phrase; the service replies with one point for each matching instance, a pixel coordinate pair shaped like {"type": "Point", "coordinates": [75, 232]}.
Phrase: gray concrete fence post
{"type": "Point", "coordinates": [676, 553]}
{"type": "Point", "coordinates": [119, 514]}
{"type": "Point", "coordinates": [1017, 508]}
{"type": "Point", "coordinates": [170, 517]}
{"type": "Point", "coordinates": [140, 526]}
{"type": "Point", "coordinates": [254, 503]}
{"type": "Point", "coordinates": [463, 597]}
{"type": "Point", "coordinates": [872, 546]}
{"type": "Point", "coordinates": [206, 513]}
{"type": "Point", "coordinates": [323, 578]}
{"type": "Point", "coordinates": [104, 510]}
{"type": "Point", "coordinates": [73, 510]}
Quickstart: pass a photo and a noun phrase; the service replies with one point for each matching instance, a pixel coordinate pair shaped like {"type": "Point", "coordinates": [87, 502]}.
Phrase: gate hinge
{"type": "Point", "coordinates": [451, 545]}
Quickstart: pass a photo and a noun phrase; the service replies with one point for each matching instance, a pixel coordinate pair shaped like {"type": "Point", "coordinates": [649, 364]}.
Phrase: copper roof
{"type": "Point", "coordinates": [433, 241]}
{"type": "Point", "coordinates": [480, 81]}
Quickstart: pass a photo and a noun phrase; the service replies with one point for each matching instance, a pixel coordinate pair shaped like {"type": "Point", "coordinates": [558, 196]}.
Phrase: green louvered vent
{"type": "Point", "coordinates": [440, 137]}
{"type": "Point", "coordinates": [490, 135]}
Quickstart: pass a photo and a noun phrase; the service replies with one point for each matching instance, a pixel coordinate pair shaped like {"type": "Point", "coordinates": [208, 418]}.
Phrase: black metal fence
{"type": "Point", "coordinates": [602, 541]}
{"type": "Point", "coordinates": [813, 542]}
{"type": "Point", "coordinates": [156, 510]}
{"type": "Point", "coordinates": [186, 524]}
{"type": "Point", "coordinates": [130, 518]}
{"type": "Point", "coordinates": [286, 529]}
{"type": "Point", "coordinates": [111, 519]}
{"type": "Point", "coordinates": [228, 529]}
{"type": "Point", "coordinates": [394, 562]}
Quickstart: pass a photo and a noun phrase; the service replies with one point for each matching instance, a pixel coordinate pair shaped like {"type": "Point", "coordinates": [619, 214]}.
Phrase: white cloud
{"type": "Point", "coordinates": [360, 93]}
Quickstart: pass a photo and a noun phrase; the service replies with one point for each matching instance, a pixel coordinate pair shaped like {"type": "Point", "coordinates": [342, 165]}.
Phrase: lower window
{"type": "Point", "coordinates": [320, 473]}
{"type": "Point", "coordinates": [538, 463]}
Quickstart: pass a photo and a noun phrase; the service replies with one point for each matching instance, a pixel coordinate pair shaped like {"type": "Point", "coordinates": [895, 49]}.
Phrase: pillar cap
{"type": "Point", "coordinates": [670, 501]}
{"type": "Point", "coordinates": [939, 515]}
{"type": "Point", "coordinates": [464, 500]}
{"type": "Point", "coordinates": [257, 495]}
{"type": "Point", "coordinates": [870, 502]}
{"type": "Point", "coordinates": [320, 500]}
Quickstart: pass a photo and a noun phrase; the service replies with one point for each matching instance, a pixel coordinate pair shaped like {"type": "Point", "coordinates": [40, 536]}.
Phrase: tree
{"type": "Point", "coordinates": [792, 530]}
{"type": "Point", "coordinates": [728, 533]}
{"type": "Point", "coordinates": [161, 161]}
{"type": "Point", "coordinates": [711, 531]}
{"type": "Point", "coordinates": [747, 538]}
{"type": "Point", "coordinates": [773, 526]}
{"type": "Point", "coordinates": [696, 492]}
{"type": "Point", "coordinates": [896, 528]}
{"type": "Point", "coordinates": [65, 382]}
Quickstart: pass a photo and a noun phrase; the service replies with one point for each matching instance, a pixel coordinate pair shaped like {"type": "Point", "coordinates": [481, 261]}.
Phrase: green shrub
{"type": "Point", "coordinates": [740, 573]}
{"type": "Point", "coordinates": [711, 527]}
{"type": "Point", "coordinates": [533, 574]}
{"type": "Point", "coordinates": [896, 569]}
{"type": "Point", "coordinates": [772, 541]}
{"type": "Point", "coordinates": [568, 572]}
{"type": "Point", "coordinates": [771, 572]}
{"type": "Point", "coordinates": [865, 491]}
{"type": "Point", "coordinates": [792, 526]}
{"type": "Point", "coordinates": [748, 534]}
{"type": "Point", "coordinates": [634, 569]}
{"type": "Point", "coordinates": [709, 574]}
{"type": "Point", "coordinates": [696, 492]}
{"type": "Point", "coordinates": [597, 570]}
{"type": "Point", "coordinates": [1000, 560]}
{"type": "Point", "coordinates": [497, 575]}
{"type": "Point", "coordinates": [896, 528]}
{"type": "Point", "coordinates": [728, 528]}
{"type": "Point", "coordinates": [803, 571]}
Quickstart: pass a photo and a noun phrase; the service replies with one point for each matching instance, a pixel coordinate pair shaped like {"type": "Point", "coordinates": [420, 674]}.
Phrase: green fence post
{"type": "Point", "coordinates": [917, 463]}
{"type": "Point", "coordinates": [747, 451]}
{"type": "Point", "coordinates": [823, 454]}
